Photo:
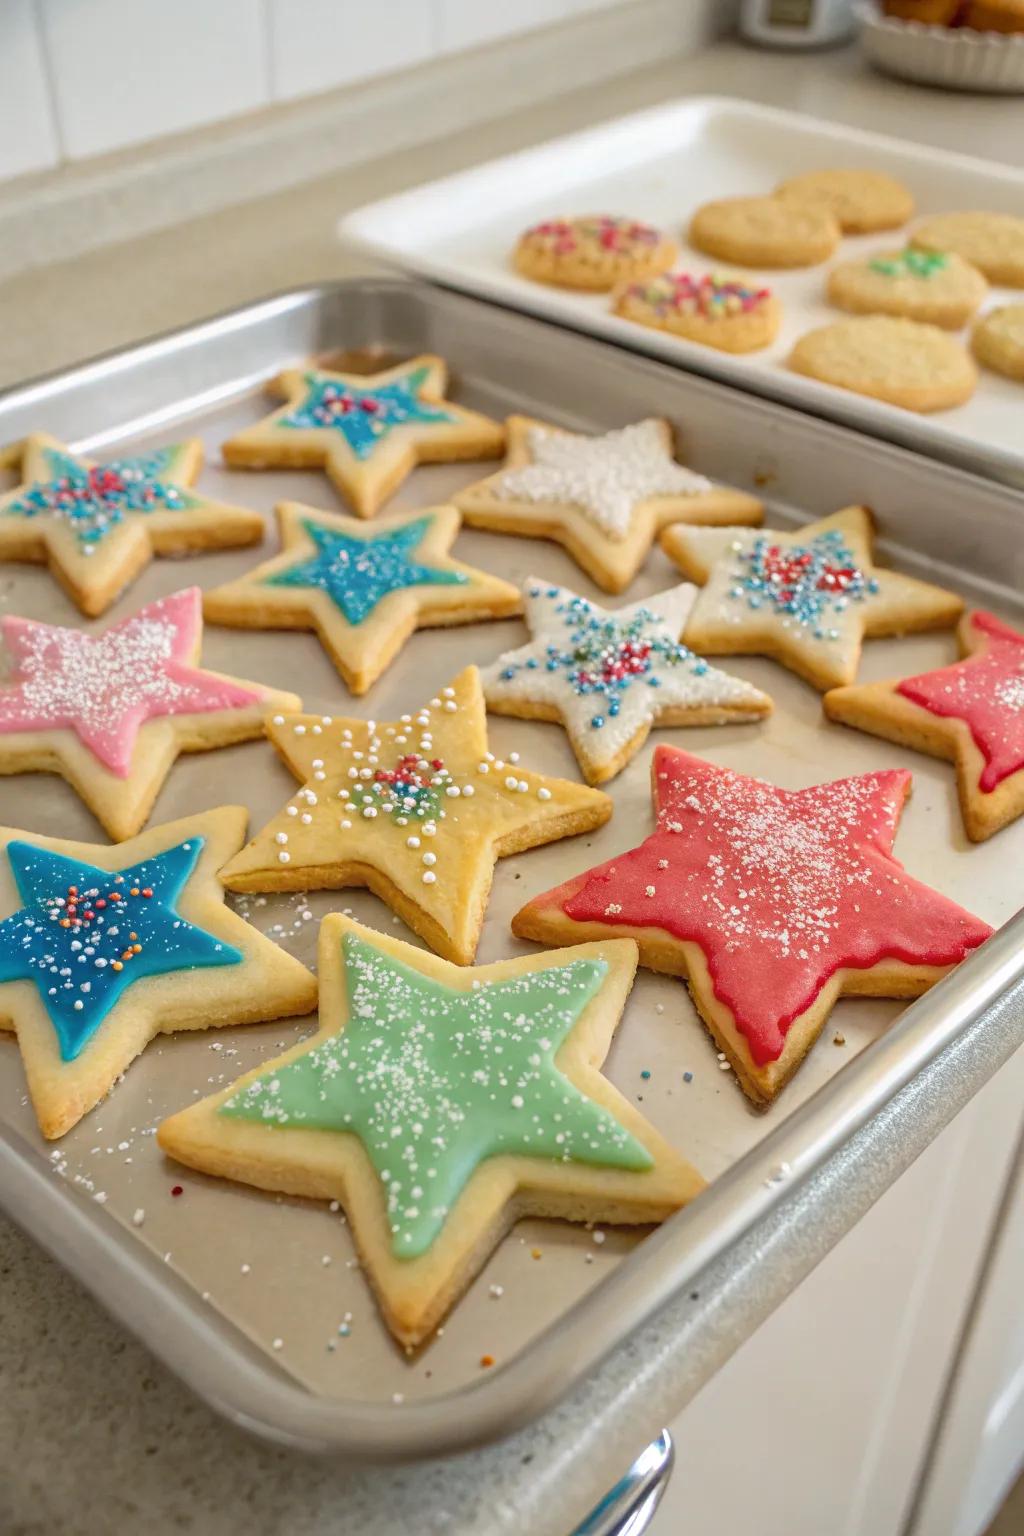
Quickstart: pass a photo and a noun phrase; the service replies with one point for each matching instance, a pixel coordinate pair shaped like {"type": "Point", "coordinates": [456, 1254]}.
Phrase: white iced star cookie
{"type": "Point", "coordinates": [604, 498]}
{"type": "Point", "coordinates": [610, 676]}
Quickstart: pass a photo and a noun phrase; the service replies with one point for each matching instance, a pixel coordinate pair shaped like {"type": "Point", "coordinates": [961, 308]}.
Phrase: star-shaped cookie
{"type": "Point", "coordinates": [97, 525]}
{"type": "Point", "coordinates": [770, 902]}
{"type": "Point", "coordinates": [364, 590]}
{"type": "Point", "coordinates": [438, 1105]}
{"type": "Point", "coordinates": [609, 676]}
{"type": "Point", "coordinates": [808, 598]}
{"type": "Point", "coordinates": [367, 431]}
{"type": "Point", "coordinates": [604, 498]}
{"type": "Point", "coordinates": [971, 712]}
{"type": "Point", "coordinates": [110, 712]}
{"type": "Point", "coordinates": [417, 809]}
{"type": "Point", "coordinates": [102, 948]}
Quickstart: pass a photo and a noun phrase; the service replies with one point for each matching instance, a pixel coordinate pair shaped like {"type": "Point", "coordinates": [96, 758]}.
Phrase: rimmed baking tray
{"type": "Point", "coordinates": [660, 165]}
{"type": "Point", "coordinates": [256, 1301]}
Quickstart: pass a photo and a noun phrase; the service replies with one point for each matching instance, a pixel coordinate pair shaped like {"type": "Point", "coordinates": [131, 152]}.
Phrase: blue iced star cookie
{"type": "Point", "coordinates": [94, 498]}
{"type": "Point", "coordinates": [362, 416]}
{"type": "Point", "coordinates": [85, 934]}
{"type": "Point", "coordinates": [356, 573]}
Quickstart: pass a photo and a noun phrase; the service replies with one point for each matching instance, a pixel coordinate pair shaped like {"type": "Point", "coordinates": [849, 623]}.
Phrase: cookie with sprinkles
{"type": "Point", "coordinates": [102, 948]}
{"type": "Point", "coordinates": [364, 590]}
{"type": "Point", "coordinates": [609, 676]}
{"type": "Point", "coordinates": [439, 1105]}
{"type": "Point", "coordinates": [714, 309]}
{"type": "Point", "coordinates": [595, 252]}
{"type": "Point", "coordinates": [97, 525]}
{"type": "Point", "coordinates": [935, 287]}
{"type": "Point", "coordinates": [417, 809]}
{"type": "Point", "coordinates": [366, 431]}
{"type": "Point", "coordinates": [808, 597]}
{"type": "Point", "coordinates": [110, 712]}
{"type": "Point", "coordinates": [971, 713]}
{"type": "Point", "coordinates": [603, 498]}
{"type": "Point", "coordinates": [770, 903]}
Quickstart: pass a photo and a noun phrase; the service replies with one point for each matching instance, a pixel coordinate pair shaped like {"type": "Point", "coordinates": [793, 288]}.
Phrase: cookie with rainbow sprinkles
{"type": "Point", "coordinates": [714, 309]}
{"type": "Point", "coordinates": [438, 1105]}
{"type": "Point", "coordinates": [595, 251]}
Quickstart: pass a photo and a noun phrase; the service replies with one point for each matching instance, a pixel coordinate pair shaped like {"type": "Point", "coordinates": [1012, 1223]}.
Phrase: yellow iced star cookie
{"type": "Point", "coordinates": [439, 1105]}
{"type": "Point", "coordinates": [367, 431]}
{"type": "Point", "coordinates": [416, 809]}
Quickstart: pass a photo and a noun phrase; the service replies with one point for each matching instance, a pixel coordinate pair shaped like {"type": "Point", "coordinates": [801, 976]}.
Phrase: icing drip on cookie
{"type": "Point", "coordinates": [803, 583]}
{"type": "Point", "coordinates": [605, 477]}
{"type": "Point", "coordinates": [357, 573]}
{"type": "Point", "coordinates": [93, 499]}
{"type": "Point", "coordinates": [435, 1079]}
{"type": "Point", "coordinates": [85, 934]}
{"type": "Point", "coordinates": [779, 889]}
{"type": "Point", "coordinates": [105, 687]}
{"type": "Point", "coordinates": [712, 296]}
{"type": "Point", "coordinates": [986, 691]}
{"type": "Point", "coordinates": [364, 417]}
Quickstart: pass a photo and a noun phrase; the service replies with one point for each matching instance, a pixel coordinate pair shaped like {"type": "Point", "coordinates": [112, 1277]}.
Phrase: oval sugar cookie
{"type": "Point", "coordinates": [764, 232]}
{"type": "Point", "coordinates": [861, 201]}
{"type": "Point", "coordinates": [595, 252]}
{"type": "Point", "coordinates": [902, 362]}
{"type": "Point", "coordinates": [992, 242]}
{"type": "Point", "coordinates": [714, 309]}
{"type": "Point", "coordinates": [998, 340]}
{"type": "Point", "coordinates": [936, 287]}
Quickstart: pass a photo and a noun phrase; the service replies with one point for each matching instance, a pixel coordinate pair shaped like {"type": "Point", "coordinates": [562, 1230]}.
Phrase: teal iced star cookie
{"type": "Point", "coordinates": [437, 1102]}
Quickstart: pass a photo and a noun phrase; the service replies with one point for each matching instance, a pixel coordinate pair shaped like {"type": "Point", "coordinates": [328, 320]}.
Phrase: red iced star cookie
{"type": "Point", "coordinates": [770, 902]}
{"type": "Point", "coordinates": [971, 712]}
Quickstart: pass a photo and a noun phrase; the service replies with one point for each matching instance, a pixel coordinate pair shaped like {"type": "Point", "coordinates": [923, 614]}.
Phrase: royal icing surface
{"type": "Point", "coordinates": [986, 691]}
{"type": "Point", "coordinates": [621, 237]}
{"type": "Point", "coordinates": [779, 889]}
{"type": "Point", "coordinates": [85, 934]}
{"type": "Point", "coordinates": [363, 417]}
{"type": "Point", "coordinates": [609, 673]}
{"type": "Point", "coordinates": [710, 296]}
{"type": "Point", "coordinates": [606, 478]}
{"type": "Point", "coordinates": [105, 687]}
{"type": "Point", "coordinates": [93, 499]}
{"type": "Point", "coordinates": [434, 1079]}
{"type": "Point", "coordinates": [356, 573]}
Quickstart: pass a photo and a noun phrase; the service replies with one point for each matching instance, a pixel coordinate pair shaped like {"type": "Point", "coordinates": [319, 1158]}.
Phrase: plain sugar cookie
{"type": "Point", "coordinates": [992, 242]}
{"type": "Point", "coordinates": [714, 309]}
{"type": "Point", "coordinates": [764, 232]}
{"type": "Point", "coordinates": [862, 201]}
{"type": "Point", "coordinates": [998, 340]}
{"type": "Point", "coordinates": [595, 252]}
{"type": "Point", "coordinates": [935, 287]}
{"type": "Point", "coordinates": [902, 362]}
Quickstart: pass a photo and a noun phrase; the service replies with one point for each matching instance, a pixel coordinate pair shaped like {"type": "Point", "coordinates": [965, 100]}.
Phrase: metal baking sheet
{"type": "Point", "coordinates": [256, 1300]}
{"type": "Point", "coordinates": [660, 165]}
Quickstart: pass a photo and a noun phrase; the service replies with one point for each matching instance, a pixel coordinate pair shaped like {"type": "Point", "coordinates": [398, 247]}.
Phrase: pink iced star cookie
{"type": "Point", "coordinates": [110, 712]}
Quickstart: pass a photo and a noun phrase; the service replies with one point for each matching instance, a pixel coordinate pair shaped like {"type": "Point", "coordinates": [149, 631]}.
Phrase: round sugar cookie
{"type": "Point", "coordinates": [992, 242]}
{"type": "Point", "coordinates": [714, 309]}
{"type": "Point", "coordinates": [998, 340]}
{"type": "Point", "coordinates": [596, 251]}
{"type": "Point", "coordinates": [937, 287]}
{"type": "Point", "coordinates": [861, 201]}
{"type": "Point", "coordinates": [764, 232]}
{"type": "Point", "coordinates": [902, 362]}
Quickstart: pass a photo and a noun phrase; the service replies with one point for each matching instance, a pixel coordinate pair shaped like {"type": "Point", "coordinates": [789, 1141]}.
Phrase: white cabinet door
{"type": "Point", "coordinates": [822, 1421]}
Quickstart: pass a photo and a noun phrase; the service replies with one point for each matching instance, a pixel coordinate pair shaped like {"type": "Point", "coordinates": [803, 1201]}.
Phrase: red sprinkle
{"type": "Point", "coordinates": [176, 1189]}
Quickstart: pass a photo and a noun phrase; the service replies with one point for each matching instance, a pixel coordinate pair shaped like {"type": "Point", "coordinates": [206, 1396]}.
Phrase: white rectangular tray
{"type": "Point", "coordinates": [659, 165]}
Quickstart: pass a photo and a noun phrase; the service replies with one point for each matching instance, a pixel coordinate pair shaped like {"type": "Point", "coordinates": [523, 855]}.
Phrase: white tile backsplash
{"type": "Point", "coordinates": [128, 70]}
{"type": "Point", "coordinates": [467, 23]}
{"type": "Point", "coordinates": [28, 140]}
{"type": "Point", "coordinates": [318, 44]}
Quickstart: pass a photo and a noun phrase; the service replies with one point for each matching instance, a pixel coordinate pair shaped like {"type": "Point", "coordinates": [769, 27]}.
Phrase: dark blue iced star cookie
{"type": "Point", "coordinates": [101, 948]}
{"type": "Point", "coordinates": [364, 590]}
{"type": "Point", "coordinates": [808, 596]}
{"type": "Point", "coordinates": [366, 430]}
{"type": "Point", "coordinates": [97, 524]}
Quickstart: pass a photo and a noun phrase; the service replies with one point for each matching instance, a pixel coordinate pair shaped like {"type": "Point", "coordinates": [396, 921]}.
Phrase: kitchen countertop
{"type": "Point", "coordinates": [97, 1437]}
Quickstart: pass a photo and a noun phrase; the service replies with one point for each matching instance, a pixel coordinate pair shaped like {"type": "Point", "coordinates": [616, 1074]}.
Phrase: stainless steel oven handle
{"type": "Point", "coordinates": [628, 1508]}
